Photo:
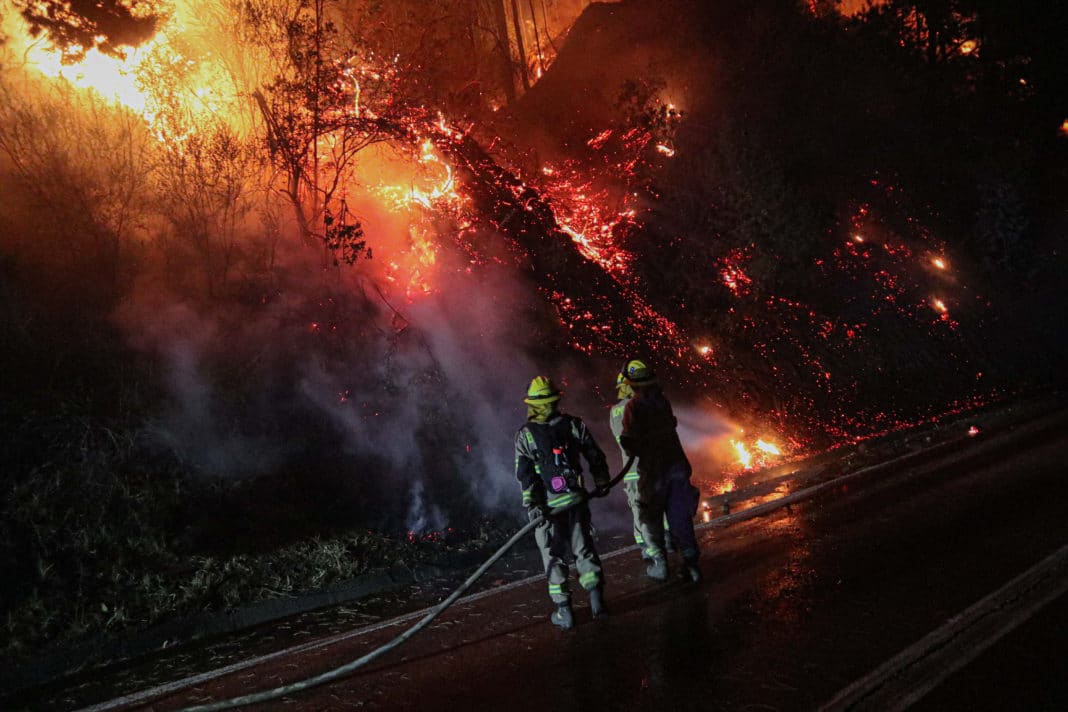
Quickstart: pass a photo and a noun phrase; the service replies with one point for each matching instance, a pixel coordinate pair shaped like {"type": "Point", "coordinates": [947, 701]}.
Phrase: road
{"type": "Point", "coordinates": [799, 607]}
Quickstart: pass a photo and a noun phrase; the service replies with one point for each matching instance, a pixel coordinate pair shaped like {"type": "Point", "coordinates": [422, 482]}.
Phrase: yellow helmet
{"type": "Point", "coordinates": [636, 373]}
{"type": "Point", "coordinates": [542, 391]}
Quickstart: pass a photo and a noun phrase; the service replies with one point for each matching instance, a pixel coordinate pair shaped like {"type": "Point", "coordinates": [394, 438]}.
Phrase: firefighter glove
{"type": "Point", "coordinates": [535, 510]}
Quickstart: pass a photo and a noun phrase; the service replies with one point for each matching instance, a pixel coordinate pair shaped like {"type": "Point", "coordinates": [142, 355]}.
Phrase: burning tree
{"type": "Point", "coordinates": [308, 108]}
{"type": "Point", "coordinates": [77, 26]}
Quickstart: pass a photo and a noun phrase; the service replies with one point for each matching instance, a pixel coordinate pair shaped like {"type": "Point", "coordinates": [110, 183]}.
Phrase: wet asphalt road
{"type": "Point", "coordinates": [794, 607]}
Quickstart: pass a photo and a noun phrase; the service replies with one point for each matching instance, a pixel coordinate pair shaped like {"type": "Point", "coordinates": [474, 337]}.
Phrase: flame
{"type": "Point", "coordinates": [666, 150]}
{"type": "Point", "coordinates": [754, 454]}
{"type": "Point", "coordinates": [112, 78]}
{"type": "Point", "coordinates": [939, 306]}
{"type": "Point", "coordinates": [1064, 128]}
{"type": "Point", "coordinates": [745, 458]}
{"type": "Point", "coordinates": [938, 262]}
{"type": "Point", "coordinates": [422, 187]}
{"type": "Point", "coordinates": [770, 448]}
{"type": "Point", "coordinates": [968, 46]}
{"type": "Point", "coordinates": [432, 191]}
{"type": "Point", "coordinates": [126, 81]}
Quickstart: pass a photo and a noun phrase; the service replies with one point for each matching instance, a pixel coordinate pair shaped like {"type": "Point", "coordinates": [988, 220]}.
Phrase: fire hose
{"type": "Point", "coordinates": [437, 610]}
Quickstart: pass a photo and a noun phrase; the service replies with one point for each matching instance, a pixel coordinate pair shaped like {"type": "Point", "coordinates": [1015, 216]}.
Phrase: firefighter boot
{"type": "Point", "coordinates": [657, 569]}
{"type": "Point", "coordinates": [597, 607]}
{"type": "Point", "coordinates": [693, 571]}
{"type": "Point", "coordinates": [562, 616]}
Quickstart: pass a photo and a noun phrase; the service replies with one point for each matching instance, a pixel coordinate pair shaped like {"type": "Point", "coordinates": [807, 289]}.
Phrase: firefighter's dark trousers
{"type": "Point", "coordinates": [670, 494]}
{"type": "Point", "coordinates": [566, 535]}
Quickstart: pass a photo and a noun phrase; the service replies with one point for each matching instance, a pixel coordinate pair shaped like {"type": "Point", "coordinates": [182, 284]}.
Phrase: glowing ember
{"type": "Point", "coordinates": [703, 349]}
{"type": "Point", "coordinates": [732, 274]}
{"type": "Point", "coordinates": [939, 262]}
{"type": "Point", "coordinates": [968, 46]}
{"type": "Point", "coordinates": [939, 306]}
{"type": "Point", "coordinates": [1064, 128]}
{"type": "Point", "coordinates": [666, 150]}
{"type": "Point", "coordinates": [600, 139]}
{"type": "Point", "coordinates": [858, 238]}
{"type": "Point", "coordinates": [973, 431]}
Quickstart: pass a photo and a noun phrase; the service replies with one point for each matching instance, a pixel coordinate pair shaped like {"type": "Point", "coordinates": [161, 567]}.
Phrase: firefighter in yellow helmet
{"type": "Point", "coordinates": [547, 465]}
{"type": "Point", "coordinates": [648, 433]}
{"type": "Point", "coordinates": [654, 543]}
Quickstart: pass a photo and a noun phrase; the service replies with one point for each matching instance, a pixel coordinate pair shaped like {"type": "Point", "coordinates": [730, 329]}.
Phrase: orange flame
{"type": "Point", "coordinates": [770, 448]}
{"type": "Point", "coordinates": [745, 458]}
{"type": "Point", "coordinates": [757, 454]}
{"type": "Point", "coordinates": [122, 81]}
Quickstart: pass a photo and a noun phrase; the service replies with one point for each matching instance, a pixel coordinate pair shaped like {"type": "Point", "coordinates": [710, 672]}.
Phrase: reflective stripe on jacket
{"type": "Point", "coordinates": [615, 421]}
{"type": "Point", "coordinates": [547, 460]}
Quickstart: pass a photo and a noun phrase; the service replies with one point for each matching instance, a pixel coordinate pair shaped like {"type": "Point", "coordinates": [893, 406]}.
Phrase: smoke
{"type": "Point", "coordinates": [412, 401]}
{"type": "Point", "coordinates": [704, 436]}
{"type": "Point", "coordinates": [190, 426]}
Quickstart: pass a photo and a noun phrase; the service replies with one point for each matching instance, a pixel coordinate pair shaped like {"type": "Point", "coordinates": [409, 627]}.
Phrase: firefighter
{"type": "Point", "coordinates": [547, 465]}
{"type": "Point", "coordinates": [648, 433]}
{"type": "Point", "coordinates": [654, 543]}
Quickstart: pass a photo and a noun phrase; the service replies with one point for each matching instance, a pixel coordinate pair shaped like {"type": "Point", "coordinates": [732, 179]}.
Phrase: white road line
{"type": "Point", "coordinates": [903, 680]}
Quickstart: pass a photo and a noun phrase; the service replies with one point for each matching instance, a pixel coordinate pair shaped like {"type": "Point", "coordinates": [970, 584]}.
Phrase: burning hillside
{"type": "Point", "coordinates": [619, 180]}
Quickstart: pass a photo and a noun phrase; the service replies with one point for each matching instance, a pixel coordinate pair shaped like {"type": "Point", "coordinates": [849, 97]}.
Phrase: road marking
{"type": "Point", "coordinates": [169, 688]}
{"type": "Point", "coordinates": [905, 678]}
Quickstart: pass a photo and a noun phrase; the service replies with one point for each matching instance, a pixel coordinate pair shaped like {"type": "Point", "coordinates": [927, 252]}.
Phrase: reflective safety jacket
{"type": "Point", "coordinates": [648, 432]}
{"type": "Point", "coordinates": [547, 461]}
{"type": "Point", "coordinates": [615, 421]}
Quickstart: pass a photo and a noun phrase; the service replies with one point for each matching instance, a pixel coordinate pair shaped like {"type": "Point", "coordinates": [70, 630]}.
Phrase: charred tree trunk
{"type": "Point", "coordinates": [504, 51]}
{"type": "Point", "coordinates": [293, 166]}
{"type": "Point", "coordinates": [537, 39]}
{"type": "Point", "coordinates": [518, 26]}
